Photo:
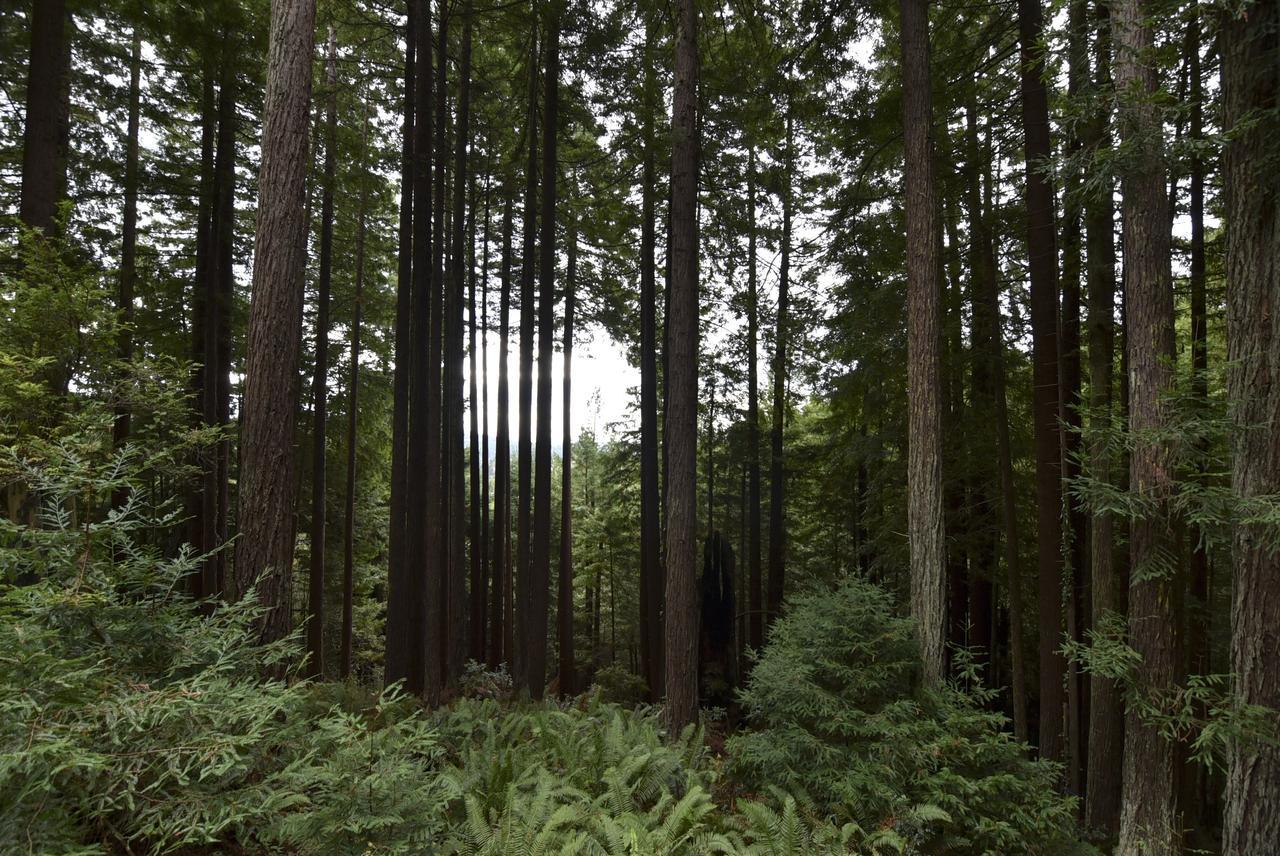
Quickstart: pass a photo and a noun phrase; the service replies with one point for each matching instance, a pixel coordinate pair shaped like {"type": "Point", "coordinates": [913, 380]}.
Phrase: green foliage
{"type": "Point", "coordinates": [620, 685]}
{"type": "Point", "coordinates": [840, 723]}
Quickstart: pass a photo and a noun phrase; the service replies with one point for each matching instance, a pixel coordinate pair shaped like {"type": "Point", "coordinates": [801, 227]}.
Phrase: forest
{"type": "Point", "coordinates": [656, 427]}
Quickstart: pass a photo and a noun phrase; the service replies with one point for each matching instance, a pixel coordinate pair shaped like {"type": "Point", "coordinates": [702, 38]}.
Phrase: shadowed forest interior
{"type": "Point", "coordinates": [699, 426]}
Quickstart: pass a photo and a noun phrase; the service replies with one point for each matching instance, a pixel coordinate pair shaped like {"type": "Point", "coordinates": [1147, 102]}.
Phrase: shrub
{"type": "Point", "coordinates": [840, 722]}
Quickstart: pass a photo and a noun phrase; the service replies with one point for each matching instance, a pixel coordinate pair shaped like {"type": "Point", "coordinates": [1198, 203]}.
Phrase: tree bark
{"type": "Point", "coordinates": [479, 588]}
{"type": "Point", "coordinates": [1250, 86]}
{"type": "Point", "coordinates": [650, 528]}
{"type": "Point", "coordinates": [681, 429]}
{"type": "Point", "coordinates": [487, 558]}
{"type": "Point", "coordinates": [268, 472]}
{"type": "Point", "coordinates": [45, 133]}
{"type": "Point", "coordinates": [564, 609]}
{"type": "Point", "coordinates": [756, 622]}
{"type": "Point", "coordinates": [1042, 254]}
{"type": "Point", "coordinates": [1106, 712]}
{"type": "Point", "coordinates": [500, 643]}
{"type": "Point", "coordinates": [400, 586]}
{"type": "Point", "coordinates": [924, 467]}
{"type": "Point", "coordinates": [320, 377]}
{"type": "Point", "coordinates": [1149, 819]}
{"type": "Point", "coordinates": [777, 463]}
{"type": "Point", "coordinates": [541, 565]}
{"type": "Point", "coordinates": [128, 251]}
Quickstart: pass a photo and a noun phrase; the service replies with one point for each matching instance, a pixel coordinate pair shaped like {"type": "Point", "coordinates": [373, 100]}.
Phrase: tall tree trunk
{"type": "Point", "coordinates": [500, 643]}
{"type": "Point", "coordinates": [650, 527]}
{"type": "Point", "coordinates": [487, 559]}
{"type": "Point", "coordinates": [1149, 820]}
{"type": "Point", "coordinates": [353, 401]}
{"type": "Point", "coordinates": [681, 429]}
{"type": "Point", "coordinates": [479, 570]}
{"type": "Point", "coordinates": [222, 293]}
{"type": "Point", "coordinates": [524, 460]}
{"type": "Point", "coordinates": [756, 622]}
{"type": "Point", "coordinates": [128, 250]}
{"type": "Point", "coordinates": [777, 463]}
{"type": "Point", "coordinates": [541, 566]}
{"type": "Point", "coordinates": [924, 467]}
{"type": "Point", "coordinates": [564, 608]}
{"type": "Point", "coordinates": [1042, 255]}
{"type": "Point", "coordinates": [456, 604]}
{"type": "Point", "coordinates": [320, 377]}
{"type": "Point", "coordinates": [1106, 711]}
{"type": "Point", "coordinates": [268, 472]}
{"type": "Point", "coordinates": [422, 514]}
{"type": "Point", "coordinates": [1250, 84]}
{"type": "Point", "coordinates": [45, 134]}
{"type": "Point", "coordinates": [401, 588]}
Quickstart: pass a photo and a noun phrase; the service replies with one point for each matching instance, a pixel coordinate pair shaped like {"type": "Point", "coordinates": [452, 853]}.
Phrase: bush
{"type": "Point", "coordinates": [840, 722]}
{"type": "Point", "coordinates": [620, 685]}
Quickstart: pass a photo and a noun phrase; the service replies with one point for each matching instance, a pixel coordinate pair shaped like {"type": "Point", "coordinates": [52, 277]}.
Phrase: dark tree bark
{"type": "Point", "coordinates": [479, 569]}
{"type": "Point", "coordinates": [221, 291]}
{"type": "Point", "coordinates": [524, 462]}
{"type": "Point", "coordinates": [1106, 712]}
{"type": "Point", "coordinates": [320, 376]}
{"type": "Point", "coordinates": [353, 402]}
{"type": "Point", "coordinates": [681, 429]}
{"type": "Point", "coordinates": [456, 603]}
{"type": "Point", "coordinates": [1149, 819]}
{"type": "Point", "coordinates": [564, 607]}
{"type": "Point", "coordinates": [757, 605]}
{"type": "Point", "coordinates": [500, 643]}
{"type": "Point", "coordinates": [540, 574]}
{"type": "Point", "coordinates": [268, 472]}
{"type": "Point", "coordinates": [1042, 255]}
{"type": "Point", "coordinates": [1251, 86]}
{"type": "Point", "coordinates": [777, 463]}
{"type": "Point", "coordinates": [488, 558]}
{"type": "Point", "coordinates": [400, 586]}
{"type": "Point", "coordinates": [650, 528]}
{"type": "Point", "coordinates": [48, 116]}
{"type": "Point", "coordinates": [924, 467]}
{"type": "Point", "coordinates": [128, 249]}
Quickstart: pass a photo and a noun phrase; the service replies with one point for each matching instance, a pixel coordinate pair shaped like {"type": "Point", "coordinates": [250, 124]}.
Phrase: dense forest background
{"type": "Point", "coordinates": [945, 516]}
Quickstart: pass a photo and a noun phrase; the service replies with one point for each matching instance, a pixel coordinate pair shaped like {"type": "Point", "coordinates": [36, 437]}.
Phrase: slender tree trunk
{"type": "Point", "coordinates": [222, 293]}
{"type": "Point", "coordinates": [1149, 820]}
{"type": "Point", "coordinates": [320, 377]}
{"type": "Point", "coordinates": [1106, 712]}
{"type": "Point", "coordinates": [353, 402]}
{"type": "Point", "coordinates": [1042, 256]}
{"type": "Point", "coordinates": [456, 604]}
{"type": "Point", "coordinates": [777, 463]}
{"type": "Point", "coordinates": [1250, 83]}
{"type": "Point", "coordinates": [924, 468]}
{"type": "Point", "coordinates": [564, 610]}
{"type": "Point", "coordinates": [524, 462]}
{"type": "Point", "coordinates": [650, 527]}
{"type": "Point", "coordinates": [44, 136]}
{"type": "Point", "coordinates": [479, 570]}
{"type": "Point", "coordinates": [756, 622]}
{"type": "Point", "coordinates": [268, 473]}
{"type": "Point", "coordinates": [541, 565]}
{"type": "Point", "coordinates": [681, 429]}
{"type": "Point", "coordinates": [400, 587]}
{"type": "Point", "coordinates": [487, 559]}
{"type": "Point", "coordinates": [128, 251]}
{"type": "Point", "coordinates": [500, 644]}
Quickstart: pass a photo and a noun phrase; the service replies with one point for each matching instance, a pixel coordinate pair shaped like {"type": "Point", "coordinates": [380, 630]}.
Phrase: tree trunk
{"type": "Point", "coordinates": [924, 467]}
{"type": "Point", "coordinates": [1250, 82]}
{"type": "Point", "coordinates": [128, 252]}
{"type": "Point", "coordinates": [541, 565]}
{"type": "Point", "coordinates": [400, 586]}
{"type": "Point", "coordinates": [524, 460]}
{"type": "Point", "coordinates": [650, 529]}
{"type": "Point", "coordinates": [44, 136]}
{"type": "Point", "coordinates": [1042, 257]}
{"type": "Point", "coordinates": [1149, 820]}
{"type": "Point", "coordinates": [777, 463]}
{"type": "Point", "coordinates": [564, 609]}
{"type": "Point", "coordinates": [320, 378]}
{"type": "Point", "coordinates": [487, 559]}
{"type": "Point", "coordinates": [479, 569]}
{"type": "Point", "coordinates": [268, 471]}
{"type": "Point", "coordinates": [756, 622]}
{"type": "Point", "coordinates": [500, 643]}
{"type": "Point", "coordinates": [681, 429]}
{"type": "Point", "coordinates": [1106, 713]}
{"type": "Point", "coordinates": [222, 293]}
{"type": "Point", "coordinates": [353, 401]}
